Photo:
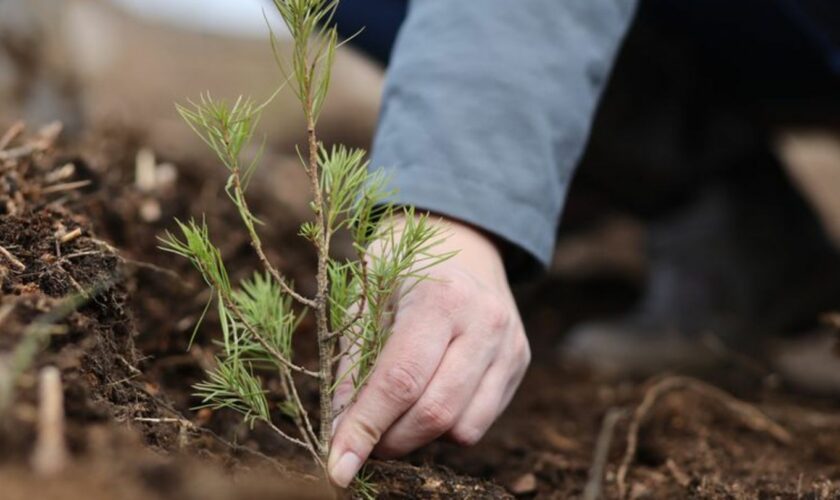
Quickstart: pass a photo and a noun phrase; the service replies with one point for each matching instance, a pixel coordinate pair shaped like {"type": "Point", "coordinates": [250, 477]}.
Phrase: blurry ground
{"type": "Point", "coordinates": [112, 80]}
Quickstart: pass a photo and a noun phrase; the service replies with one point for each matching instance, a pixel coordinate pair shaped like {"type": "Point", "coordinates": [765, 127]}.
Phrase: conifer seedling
{"type": "Point", "coordinates": [352, 302]}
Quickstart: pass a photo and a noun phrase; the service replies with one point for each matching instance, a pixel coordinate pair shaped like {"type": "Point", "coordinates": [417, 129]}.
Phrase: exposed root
{"type": "Point", "coordinates": [748, 414]}
{"type": "Point", "coordinates": [50, 455]}
{"type": "Point", "coordinates": [594, 484]}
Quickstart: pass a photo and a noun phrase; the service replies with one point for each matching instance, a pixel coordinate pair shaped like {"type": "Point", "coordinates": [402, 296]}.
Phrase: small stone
{"type": "Point", "coordinates": [526, 483]}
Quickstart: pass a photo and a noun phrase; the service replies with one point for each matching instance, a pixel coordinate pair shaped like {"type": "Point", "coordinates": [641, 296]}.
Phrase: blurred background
{"type": "Point", "coordinates": [122, 64]}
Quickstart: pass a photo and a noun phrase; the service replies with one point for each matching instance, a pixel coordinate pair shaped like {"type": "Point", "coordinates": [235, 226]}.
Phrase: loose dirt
{"type": "Point", "coordinates": [127, 367]}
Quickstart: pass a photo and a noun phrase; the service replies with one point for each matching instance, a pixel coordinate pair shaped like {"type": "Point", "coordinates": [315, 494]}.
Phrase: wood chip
{"type": "Point", "coordinates": [72, 235]}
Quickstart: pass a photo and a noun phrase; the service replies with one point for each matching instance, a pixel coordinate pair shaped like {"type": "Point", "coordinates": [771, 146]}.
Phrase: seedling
{"type": "Point", "coordinates": [352, 302]}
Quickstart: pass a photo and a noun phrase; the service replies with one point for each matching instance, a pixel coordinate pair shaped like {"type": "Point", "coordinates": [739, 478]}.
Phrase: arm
{"type": "Point", "coordinates": [486, 111]}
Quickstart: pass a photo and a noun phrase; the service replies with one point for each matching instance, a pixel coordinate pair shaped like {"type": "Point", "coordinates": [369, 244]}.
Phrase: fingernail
{"type": "Point", "coordinates": [344, 470]}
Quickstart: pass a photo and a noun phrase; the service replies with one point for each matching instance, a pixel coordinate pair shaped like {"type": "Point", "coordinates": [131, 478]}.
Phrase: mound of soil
{"type": "Point", "coordinates": [82, 280]}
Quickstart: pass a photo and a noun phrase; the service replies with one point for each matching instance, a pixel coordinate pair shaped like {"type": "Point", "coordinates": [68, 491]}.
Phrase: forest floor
{"type": "Point", "coordinates": [83, 283]}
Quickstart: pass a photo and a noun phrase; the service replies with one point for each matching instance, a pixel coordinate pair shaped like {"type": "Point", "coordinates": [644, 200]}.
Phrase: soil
{"type": "Point", "coordinates": [127, 367]}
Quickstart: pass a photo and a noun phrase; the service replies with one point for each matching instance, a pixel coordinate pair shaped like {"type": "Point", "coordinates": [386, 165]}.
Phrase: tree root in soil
{"type": "Point", "coordinates": [748, 414]}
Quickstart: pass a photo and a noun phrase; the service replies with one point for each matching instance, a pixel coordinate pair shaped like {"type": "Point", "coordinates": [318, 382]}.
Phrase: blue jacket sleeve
{"type": "Point", "coordinates": [488, 104]}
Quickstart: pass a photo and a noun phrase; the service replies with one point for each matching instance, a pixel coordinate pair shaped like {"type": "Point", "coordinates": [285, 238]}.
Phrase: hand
{"type": "Point", "coordinates": [457, 353]}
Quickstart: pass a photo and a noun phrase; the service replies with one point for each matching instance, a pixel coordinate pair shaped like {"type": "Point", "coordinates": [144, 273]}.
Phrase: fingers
{"type": "Point", "coordinates": [493, 395]}
{"type": "Point", "coordinates": [452, 388]}
{"type": "Point", "coordinates": [405, 366]}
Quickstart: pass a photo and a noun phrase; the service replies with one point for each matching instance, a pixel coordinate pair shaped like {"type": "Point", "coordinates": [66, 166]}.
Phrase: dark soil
{"type": "Point", "coordinates": [127, 368]}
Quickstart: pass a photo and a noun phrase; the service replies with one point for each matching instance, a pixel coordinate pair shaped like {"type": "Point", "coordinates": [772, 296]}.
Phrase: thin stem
{"type": "Point", "coordinates": [256, 242]}
{"type": "Point", "coordinates": [296, 441]}
{"type": "Point", "coordinates": [303, 415]}
{"type": "Point", "coordinates": [326, 345]}
{"type": "Point", "coordinates": [265, 344]}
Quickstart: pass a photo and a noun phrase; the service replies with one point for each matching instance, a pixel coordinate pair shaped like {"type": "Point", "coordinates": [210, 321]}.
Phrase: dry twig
{"type": "Point", "coordinates": [70, 236]}
{"type": "Point", "coordinates": [594, 484]}
{"type": "Point", "coordinates": [12, 259]}
{"type": "Point", "coordinates": [67, 186]}
{"type": "Point", "coordinates": [14, 131]}
{"type": "Point", "coordinates": [749, 415]}
{"type": "Point", "coordinates": [50, 455]}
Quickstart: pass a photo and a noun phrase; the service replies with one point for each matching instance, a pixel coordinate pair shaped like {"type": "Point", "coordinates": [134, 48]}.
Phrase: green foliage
{"type": "Point", "coordinates": [259, 316]}
{"type": "Point", "coordinates": [267, 309]}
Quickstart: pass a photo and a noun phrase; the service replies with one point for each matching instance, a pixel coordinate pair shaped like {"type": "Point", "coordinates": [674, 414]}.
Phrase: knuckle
{"type": "Point", "coordinates": [522, 349]}
{"type": "Point", "coordinates": [402, 383]}
{"type": "Point", "coordinates": [496, 312]}
{"type": "Point", "coordinates": [465, 435]}
{"type": "Point", "coordinates": [435, 416]}
{"type": "Point", "coordinates": [451, 294]}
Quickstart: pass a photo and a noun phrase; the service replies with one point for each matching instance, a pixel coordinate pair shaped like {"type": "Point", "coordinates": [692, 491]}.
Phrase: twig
{"type": "Point", "coordinates": [748, 414]}
{"type": "Point", "coordinates": [296, 441]}
{"type": "Point", "coordinates": [72, 235]}
{"type": "Point", "coordinates": [61, 173]}
{"type": "Point", "coordinates": [50, 455]}
{"type": "Point", "coordinates": [166, 420]}
{"type": "Point", "coordinates": [14, 131]}
{"type": "Point", "coordinates": [67, 186]}
{"type": "Point", "coordinates": [233, 446]}
{"type": "Point", "coordinates": [12, 259]}
{"type": "Point", "coordinates": [265, 344]}
{"type": "Point", "coordinates": [594, 484]}
{"type": "Point", "coordinates": [301, 416]}
{"type": "Point", "coordinates": [46, 137]}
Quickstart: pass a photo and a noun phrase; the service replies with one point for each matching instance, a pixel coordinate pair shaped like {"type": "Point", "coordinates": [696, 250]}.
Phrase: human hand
{"type": "Point", "coordinates": [457, 353]}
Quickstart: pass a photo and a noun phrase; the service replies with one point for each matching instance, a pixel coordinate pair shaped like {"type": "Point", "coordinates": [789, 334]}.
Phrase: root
{"type": "Point", "coordinates": [594, 484]}
{"type": "Point", "coordinates": [50, 455]}
{"type": "Point", "coordinates": [749, 415]}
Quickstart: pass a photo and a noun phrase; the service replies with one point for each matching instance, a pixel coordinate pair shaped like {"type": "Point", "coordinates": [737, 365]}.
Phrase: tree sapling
{"type": "Point", "coordinates": [352, 300]}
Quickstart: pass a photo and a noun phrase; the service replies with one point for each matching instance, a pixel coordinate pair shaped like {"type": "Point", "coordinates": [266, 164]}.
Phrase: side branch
{"type": "Point", "coordinates": [256, 242]}
{"type": "Point", "coordinates": [266, 345]}
{"type": "Point", "coordinates": [296, 441]}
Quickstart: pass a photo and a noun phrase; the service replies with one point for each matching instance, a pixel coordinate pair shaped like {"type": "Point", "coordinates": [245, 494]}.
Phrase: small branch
{"type": "Point", "coordinates": [748, 414]}
{"type": "Point", "coordinates": [166, 420]}
{"type": "Point", "coordinates": [594, 485]}
{"type": "Point", "coordinates": [67, 186]}
{"type": "Point", "coordinates": [302, 417]}
{"type": "Point", "coordinates": [256, 242]}
{"type": "Point", "coordinates": [14, 131]}
{"type": "Point", "coordinates": [264, 343]}
{"type": "Point", "coordinates": [44, 141]}
{"type": "Point", "coordinates": [12, 259]}
{"type": "Point", "coordinates": [50, 455]}
{"type": "Point", "coordinates": [297, 442]}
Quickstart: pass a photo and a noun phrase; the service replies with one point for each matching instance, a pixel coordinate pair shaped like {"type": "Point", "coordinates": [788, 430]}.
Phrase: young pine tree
{"type": "Point", "coordinates": [260, 316]}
